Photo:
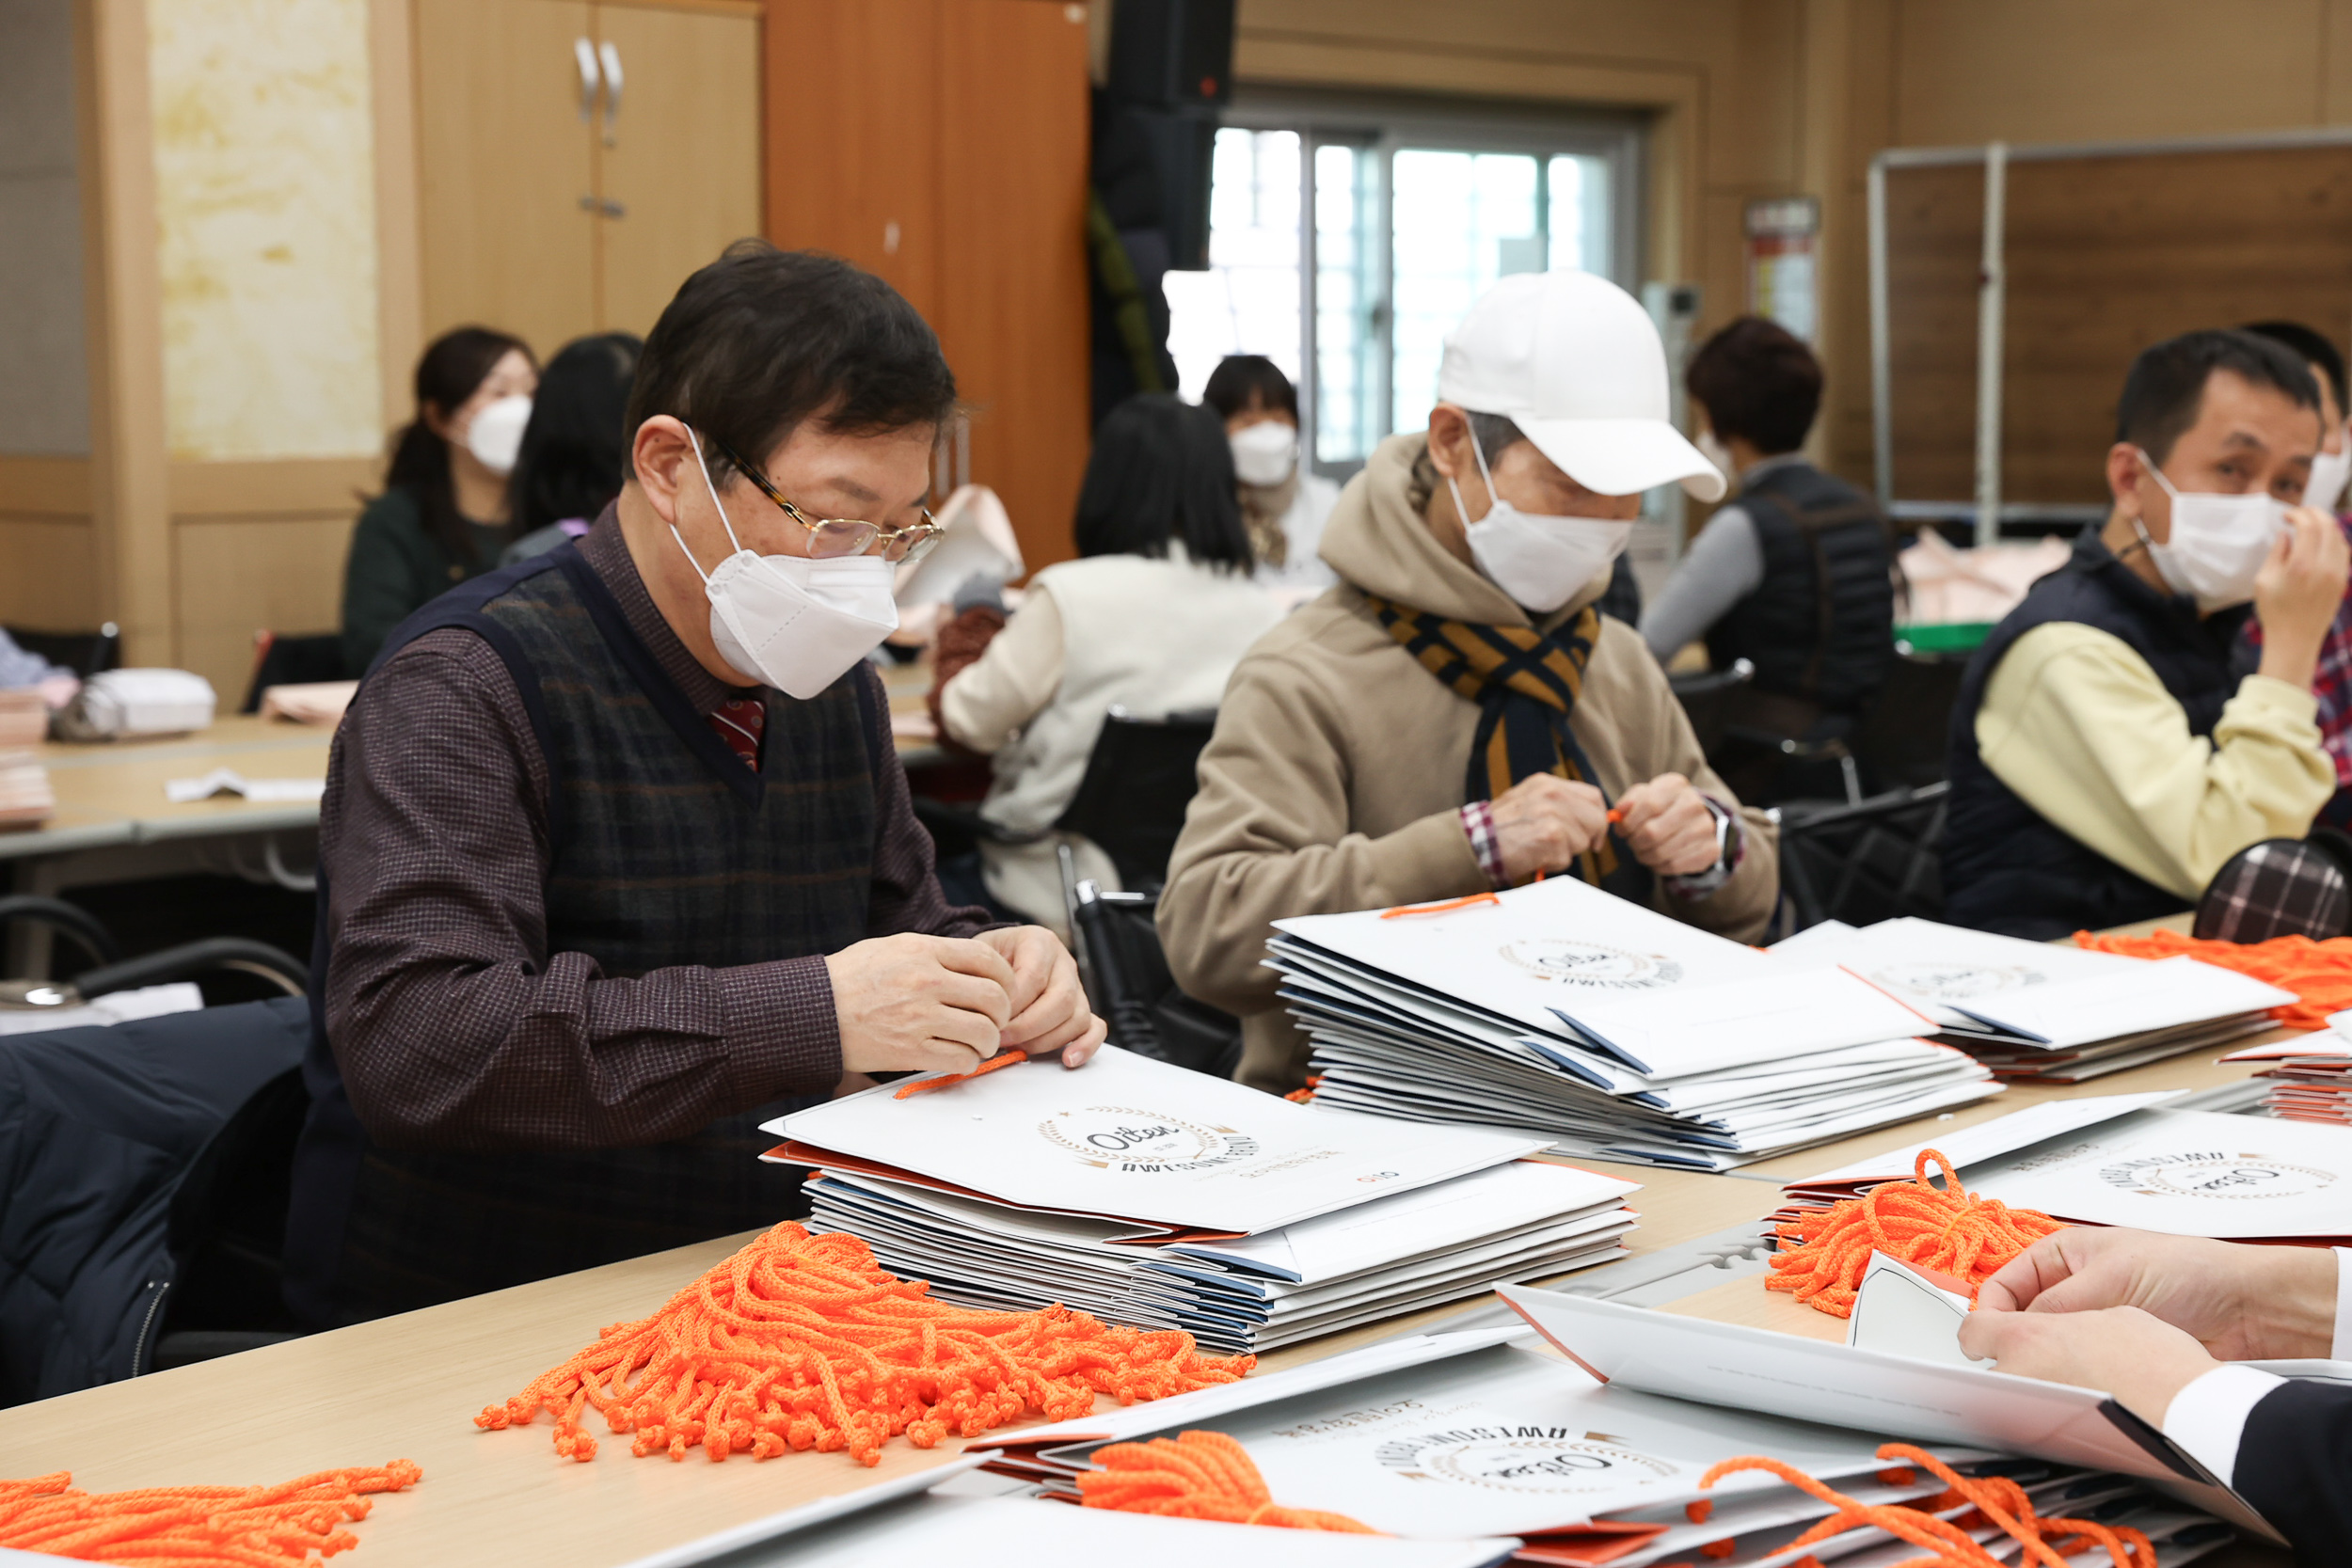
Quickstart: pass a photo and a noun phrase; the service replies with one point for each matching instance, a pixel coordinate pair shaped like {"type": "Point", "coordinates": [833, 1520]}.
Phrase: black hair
{"type": "Point", "coordinates": [2309, 346]}
{"type": "Point", "coordinates": [574, 456]}
{"type": "Point", "coordinates": [1161, 469]}
{"type": "Point", "coordinates": [1760, 382]}
{"type": "Point", "coordinates": [762, 339]}
{"type": "Point", "coordinates": [2166, 385]}
{"type": "Point", "coordinates": [451, 370]}
{"type": "Point", "coordinates": [1242, 379]}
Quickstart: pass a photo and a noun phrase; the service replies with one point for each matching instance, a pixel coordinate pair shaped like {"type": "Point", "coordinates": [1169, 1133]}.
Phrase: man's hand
{"type": "Point", "coordinates": [918, 1004]}
{"type": "Point", "coordinates": [2239, 1302]}
{"type": "Point", "coordinates": [1543, 822]}
{"type": "Point", "coordinates": [2122, 1350]}
{"type": "Point", "coordinates": [2296, 595]}
{"type": "Point", "coordinates": [1667, 826]}
{"type": "Point", "coordinates": [1049, 1007]}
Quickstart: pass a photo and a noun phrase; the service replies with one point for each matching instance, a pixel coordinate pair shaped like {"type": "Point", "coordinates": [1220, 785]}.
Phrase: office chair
{"type": "Point", "coordinates": [1139, 778]}
{"type": "Point", "coordinates": [279, 661]}
{"type": "Point", "coordinates": [111, 972]}
{"type": "Point", "coordinates": [85, 653]}
{"type": "Point", "coordinates": [1710, 698]}
{"type": "Point", "coordinates": [1904, 739]}
{"type": "Point", "coordinates": [1130, 985]}
{"type": "Point", "coordinates": [1860, 863]}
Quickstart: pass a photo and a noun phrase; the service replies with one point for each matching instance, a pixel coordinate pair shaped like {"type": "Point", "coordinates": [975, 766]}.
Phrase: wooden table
{"type": "Point", "coordinates": [111, 793]}
{"type": "Point", "coordinates": [408, 1387]}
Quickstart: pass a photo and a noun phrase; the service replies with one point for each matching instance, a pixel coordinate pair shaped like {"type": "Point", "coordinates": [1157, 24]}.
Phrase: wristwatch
{"type": "Point", "coordinates": [1698, 884]}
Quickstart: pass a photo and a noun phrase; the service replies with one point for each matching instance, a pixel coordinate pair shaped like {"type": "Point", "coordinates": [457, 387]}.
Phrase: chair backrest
{"type": "Point", "coordinates": [1865, 863]}
{"type": "Point", "coordinates": [1138, 996]}
{"type": "Point", "coordinates": [1905, 740]}
{"type": "Point", "coordinates": [293, 661]}
{"type": "Point", "coordinates": [1708, 698]}
{"type": "Point", "coordinates": [85, 653]}
{"type": "Point", "coordinates": [1139, 778]}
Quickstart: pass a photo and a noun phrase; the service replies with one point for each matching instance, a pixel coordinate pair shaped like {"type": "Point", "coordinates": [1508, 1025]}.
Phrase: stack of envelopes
{"type": "Point", "coordinates": [1613, 1030]}
{"type": "Point", "coordinates": [2127, 1159]}
{"type": "Point", "coordinates": [1162, 1198]}
{"type": "Point", "coordinates": [1440, 1436]}
{"type": "Point", "coordinates": [2043, 1011]}
{"type": "Point", "coordinates": [2311, 1073]}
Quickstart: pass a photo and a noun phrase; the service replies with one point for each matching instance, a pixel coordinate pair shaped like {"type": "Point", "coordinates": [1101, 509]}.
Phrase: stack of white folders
{"type": "Point", "coordinates": [1162, 1198]}
{"type": "Point", "coordinates": [2042, 1011]}
{"type": "Point", "coordinates": [2311, 1073]}
{"type": "Point", "coordinates": [1438, 1437]}
{"type": "Point", "coordinates": [1615, 1030]}
{"type": "Point", "coordinates": [2126, 1159]}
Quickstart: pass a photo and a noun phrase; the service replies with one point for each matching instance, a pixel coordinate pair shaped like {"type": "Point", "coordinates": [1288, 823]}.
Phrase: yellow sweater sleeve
{"type": "Point", "coordinates": [2081, 727]}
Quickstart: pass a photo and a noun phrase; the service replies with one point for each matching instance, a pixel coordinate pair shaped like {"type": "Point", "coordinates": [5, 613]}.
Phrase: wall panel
{"type": "Point", "coordinates": [235, 576]}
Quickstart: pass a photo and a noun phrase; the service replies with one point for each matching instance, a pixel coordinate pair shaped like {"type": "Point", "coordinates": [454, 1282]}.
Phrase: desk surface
{"type": "Point", "coordinates": [410, 1387]}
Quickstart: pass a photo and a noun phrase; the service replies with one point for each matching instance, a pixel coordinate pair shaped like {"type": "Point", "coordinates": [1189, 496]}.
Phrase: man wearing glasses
{"type": "Point", "coordinates": [617, 859]}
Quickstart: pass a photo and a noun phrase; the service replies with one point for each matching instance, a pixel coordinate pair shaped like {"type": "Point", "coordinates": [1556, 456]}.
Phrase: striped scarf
{"type": "Point", "coordinates": [1525, 683]}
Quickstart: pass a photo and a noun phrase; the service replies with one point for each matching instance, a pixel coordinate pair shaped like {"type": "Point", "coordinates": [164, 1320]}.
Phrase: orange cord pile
{"type": "Point", "coordinates": [1997, 1501]}
{"type": "Point", "coordinates": [195, 1526]}
{"type": "Point", "coordinates": [1822, 1256]}
{"type": "Point", "coordinates": [2318, 971]}
{"type": "Point", "coordinates": [919, 1086]}
{"type": "Point", "coordinates": [801, 1341]}
{"type": "Point", "coordinates": [1201, 1475]}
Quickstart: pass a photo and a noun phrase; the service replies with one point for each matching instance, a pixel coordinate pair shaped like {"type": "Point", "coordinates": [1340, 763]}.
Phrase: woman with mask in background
{"type": "Point", "coordinates": [1152, 617]}
{"type": "Point", "coordinates": [573, 458]}
{"type": "Point", "coordinates": [1283, 502]}
{"type": "Point", "coordinates": [443, 516]}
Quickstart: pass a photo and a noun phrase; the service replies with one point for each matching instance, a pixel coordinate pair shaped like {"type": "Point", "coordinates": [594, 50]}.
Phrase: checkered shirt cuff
{"type": "Point", "coordinates": [1478, 822]}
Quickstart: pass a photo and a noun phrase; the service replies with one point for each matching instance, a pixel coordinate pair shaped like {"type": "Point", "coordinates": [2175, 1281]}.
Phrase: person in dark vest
{"type": "Point", "coordinates": [2109, 754]}
{"type": "Point", "coordinates": [1794, 573]}
{"type": "Point", "coordinates": [617, 859]}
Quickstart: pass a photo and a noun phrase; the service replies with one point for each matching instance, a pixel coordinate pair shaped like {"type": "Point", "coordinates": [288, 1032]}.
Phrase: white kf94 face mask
{"type": "Point", "coordinates": [2329, 471]}
{"type": "Point", "coordinates": [1265, 452]}
{"type": "Point", "coordinates": [2218, 542]}
{"type": "Point", "coordinates": [788, 621]}
{"type": "Point", "coordinates": [495, 435]}
{"type": "Point", "coordinates": [1540, 560]}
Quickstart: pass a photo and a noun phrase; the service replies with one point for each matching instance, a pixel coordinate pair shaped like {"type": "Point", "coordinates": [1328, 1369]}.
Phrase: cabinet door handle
{"type": "Point", "coordinates": [584, 55]}
{"type": "Point", "coordinates": [613, 82]}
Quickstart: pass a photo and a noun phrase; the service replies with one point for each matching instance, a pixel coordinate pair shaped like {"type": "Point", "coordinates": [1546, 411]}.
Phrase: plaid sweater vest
{"type": "Point", "coordinates": [666, 850]}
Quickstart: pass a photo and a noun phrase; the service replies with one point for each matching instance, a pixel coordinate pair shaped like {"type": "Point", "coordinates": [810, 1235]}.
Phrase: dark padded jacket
{"type": "Point", "coordinates": [97, 1127]}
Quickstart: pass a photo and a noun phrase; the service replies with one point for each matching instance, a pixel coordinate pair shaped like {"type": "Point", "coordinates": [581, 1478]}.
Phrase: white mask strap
{"type": "Point", "coordinates": [2157, 474]}
{"type": "Point", "coordinates": [1492, 496]}
{"type": "Point", "coordinates": [723, 521]}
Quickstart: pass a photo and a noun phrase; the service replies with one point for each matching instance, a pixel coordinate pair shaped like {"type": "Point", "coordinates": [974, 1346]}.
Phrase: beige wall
{"type": "Point", "coordinates": [1756, 98]}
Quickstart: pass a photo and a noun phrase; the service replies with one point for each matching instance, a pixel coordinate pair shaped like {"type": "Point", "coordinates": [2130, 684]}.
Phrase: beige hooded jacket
{"type": "Point", "coordinates": [1334, 779]}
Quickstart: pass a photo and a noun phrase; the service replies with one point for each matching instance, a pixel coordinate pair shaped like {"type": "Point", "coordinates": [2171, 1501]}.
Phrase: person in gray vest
{"type": "Point", "coordinates": [1794, 573]}
{"type": "Point", "coordinates": [617, 859]}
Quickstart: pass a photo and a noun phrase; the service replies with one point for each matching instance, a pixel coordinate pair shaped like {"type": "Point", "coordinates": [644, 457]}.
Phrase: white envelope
{"type": "Point", "coordinates": [1986, 1141]}
{"type": "Point", "coordinates": [1793, 1377]}
{"type": "Point", "coordinates": [2189, 1173]}
{"type": "Point", "coordinates": [1141, 1140]}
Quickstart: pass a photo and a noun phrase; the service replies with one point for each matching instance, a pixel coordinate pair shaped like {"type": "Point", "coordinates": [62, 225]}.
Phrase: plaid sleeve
{"type": "Point", "coordinates": [1478, 822]}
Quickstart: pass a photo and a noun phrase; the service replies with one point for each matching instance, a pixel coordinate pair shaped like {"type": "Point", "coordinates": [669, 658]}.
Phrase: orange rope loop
{"type": "Point", "coordinates": [1199, 1475]}
{"type": "Point", "coordinates": [1444, 907]}
{"type": "Point", "coordinates": [1995, 1501]}
{"type": "Point", "coordinates": [2320, 972]}
{"type": "Point", "coordinates": [1822, 1254]}
{"type": "Point", "coordinates": [922, 1086]}
{"type": "Point", "coordinates": [196, 1527]}
{"type": "Point", "coordinates": [801, 1341]}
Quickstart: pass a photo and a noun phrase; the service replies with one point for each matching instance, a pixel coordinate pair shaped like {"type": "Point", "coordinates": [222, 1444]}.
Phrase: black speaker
{"type": "Point", "coordinates": [1184, 146]}
{"type": "Point", "coordinates": [1172, 53]}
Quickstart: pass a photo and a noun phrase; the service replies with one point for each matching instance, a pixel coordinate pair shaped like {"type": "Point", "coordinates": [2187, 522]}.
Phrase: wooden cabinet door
{"type": "Point", "coordinates": [503, 170]}
{"type": "Point", "coordinates": [853, 132]}
{"type": "Point", "coordinates": [1012, 261]}
{"type": "Point", "coordinates": [679, 163]}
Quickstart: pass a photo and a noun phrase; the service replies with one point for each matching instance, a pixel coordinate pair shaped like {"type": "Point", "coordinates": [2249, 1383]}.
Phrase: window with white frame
{"type": "Point", "coordinates": [1351, 237]}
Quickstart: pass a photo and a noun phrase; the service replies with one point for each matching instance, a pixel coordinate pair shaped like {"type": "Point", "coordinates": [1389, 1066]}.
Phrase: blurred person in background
{"type": "Point", "coordinates": [1283, 502]}
{"type": "Point", "coordinates": [1151, 618]}
{"type": "Point", "coordinates": [1794, 573]}
{"type": "Point", "coordinates": [573, 457]}
{"type": "Point", "coordinates": [2331, 678]}
{"type": "Point", "coordinates": [443, 516]}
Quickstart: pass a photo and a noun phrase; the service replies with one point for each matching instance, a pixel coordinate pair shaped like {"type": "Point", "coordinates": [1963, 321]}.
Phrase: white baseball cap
{"type": "Point", "coordinates": [1575, 362]}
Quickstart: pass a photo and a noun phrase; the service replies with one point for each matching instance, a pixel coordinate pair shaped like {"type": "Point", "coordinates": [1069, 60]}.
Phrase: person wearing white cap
{"type": "Point", "coordinates": [1455, 716]}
